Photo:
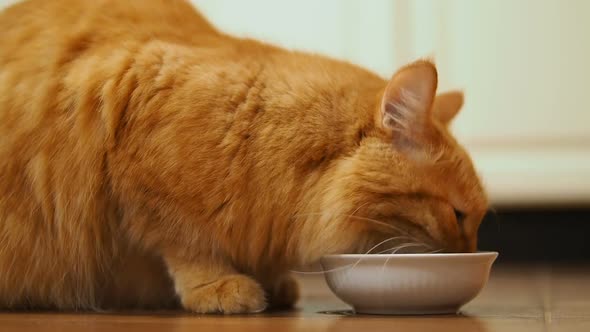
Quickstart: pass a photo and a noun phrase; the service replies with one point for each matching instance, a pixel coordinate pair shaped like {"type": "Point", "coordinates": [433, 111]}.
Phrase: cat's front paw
{"type": "Point", "coordinates": [285, 292]}
{"type": "Point", "coordinates": [233, 294]}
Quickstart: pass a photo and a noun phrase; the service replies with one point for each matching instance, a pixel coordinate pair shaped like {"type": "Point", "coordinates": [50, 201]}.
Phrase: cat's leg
{"type": "Point", "coordinates": [209, 286]}
{"type": "Point", "coordinates": [284, 292]}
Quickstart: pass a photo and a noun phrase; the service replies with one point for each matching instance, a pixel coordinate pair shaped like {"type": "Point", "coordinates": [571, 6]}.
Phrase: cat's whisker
{"type": "Point", "coordinates": [375, 221]}
{"type": "Point", "coordinates": [393, 253]}
{"type": "Point", "coordinates": [378, 222]}
{"type": "Point", "coordinates": [358, 208]}
{"type": "Point", "coordinates": [322, 272]}
{"type": "Point", "coordinates": [385, 241]}
{"type": "Point", "coordinates": [396, 247]}
{"type": "Point", "coordinates": [409, 245]}
{"type": "Point", "coordinates": [376, 246]}
{"type": "Point", "coordinates": [405, 235]}
{"type": "Point", "coordinates": [352, 265]}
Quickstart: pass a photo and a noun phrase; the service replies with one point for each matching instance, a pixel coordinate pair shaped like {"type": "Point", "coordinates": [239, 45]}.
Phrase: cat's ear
{"type": "Point", "coordinates": [447, 105]}
{"type": "Point", "coordinates": [407, 100]}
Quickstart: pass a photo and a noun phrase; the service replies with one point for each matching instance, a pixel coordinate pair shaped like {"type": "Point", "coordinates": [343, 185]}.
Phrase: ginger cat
{"type": "Point", "coordinates": [148, 160]}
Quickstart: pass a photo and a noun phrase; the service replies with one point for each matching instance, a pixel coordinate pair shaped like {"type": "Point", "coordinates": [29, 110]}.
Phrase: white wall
{"type": "Point", "coordinates": [338, 28]}
{"type": "Point", "coordinates": [4, 3]}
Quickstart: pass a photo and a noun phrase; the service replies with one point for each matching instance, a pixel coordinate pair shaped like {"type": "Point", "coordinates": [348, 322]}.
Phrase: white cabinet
{"type": "Point", "coordinates": [524, 66]}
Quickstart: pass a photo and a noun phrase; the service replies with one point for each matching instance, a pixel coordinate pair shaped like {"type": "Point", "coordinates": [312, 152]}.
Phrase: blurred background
{"type": "Point", "coordinates": [525, 68]}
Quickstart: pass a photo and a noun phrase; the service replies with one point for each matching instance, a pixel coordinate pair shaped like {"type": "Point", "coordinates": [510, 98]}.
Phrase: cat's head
{"type": "Point", "coordinates": [408, 178]}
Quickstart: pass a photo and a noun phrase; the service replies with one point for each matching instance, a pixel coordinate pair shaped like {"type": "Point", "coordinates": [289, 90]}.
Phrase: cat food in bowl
{"type": "Point", "coordinates": [408, 284]}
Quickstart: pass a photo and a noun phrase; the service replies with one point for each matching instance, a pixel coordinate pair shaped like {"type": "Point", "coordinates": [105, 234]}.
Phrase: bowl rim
{"type": "Point", "coordinates": [479, 254]}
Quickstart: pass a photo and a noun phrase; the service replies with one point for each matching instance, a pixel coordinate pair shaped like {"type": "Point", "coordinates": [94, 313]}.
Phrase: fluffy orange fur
{"type": "Point", "coordinates": [149, 160]}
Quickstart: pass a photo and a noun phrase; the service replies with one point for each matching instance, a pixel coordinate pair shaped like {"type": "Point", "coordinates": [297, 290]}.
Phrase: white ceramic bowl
{"type": "Point", "coordinates": [408, 284]}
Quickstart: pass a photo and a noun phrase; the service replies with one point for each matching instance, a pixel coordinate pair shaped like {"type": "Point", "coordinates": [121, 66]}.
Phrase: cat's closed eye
{"type": "Point", "coordinates": [460, 216]}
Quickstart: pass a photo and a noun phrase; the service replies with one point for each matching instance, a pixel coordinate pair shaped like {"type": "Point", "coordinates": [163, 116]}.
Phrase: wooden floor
{"type": "Point", "coordinates": [517, 298]}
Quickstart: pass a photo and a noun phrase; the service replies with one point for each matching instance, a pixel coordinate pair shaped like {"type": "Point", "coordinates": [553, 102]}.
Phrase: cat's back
{"type": "Point", "coordinates": [57, 56]}
{"type": "Point", "coordinates": [114, 20]}
{"type": "Point", "coordinates": [53, 50]}
{"type": "Point", "coordinates": [57, 225]}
